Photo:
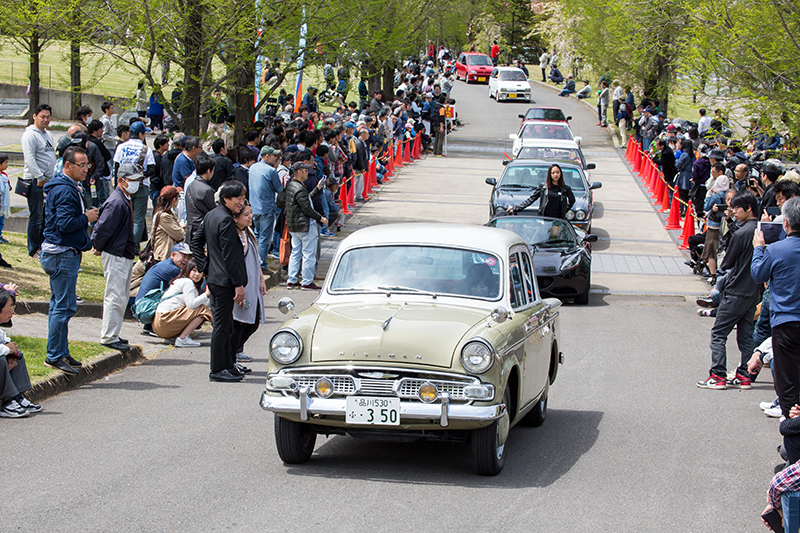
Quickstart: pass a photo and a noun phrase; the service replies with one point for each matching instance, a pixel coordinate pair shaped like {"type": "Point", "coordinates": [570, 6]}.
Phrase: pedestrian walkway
{"type": "Point", "coordinates": [639, 264]}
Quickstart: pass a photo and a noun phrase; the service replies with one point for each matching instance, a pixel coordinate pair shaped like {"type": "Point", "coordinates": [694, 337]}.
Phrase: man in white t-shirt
{"type": "Point", "coordinates": [129, 152]}
{"type": "Point", "coordinates": [705, 123]}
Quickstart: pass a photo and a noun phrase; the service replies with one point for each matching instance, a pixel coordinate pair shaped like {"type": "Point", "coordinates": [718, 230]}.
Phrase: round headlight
{"type": "Point", "coordinates": [285, 347]}
{"type": "Point", "coordinates": [570, 215]}
{"type": "Point", "coordinates": [580, 214]}
{"type": "Point", "coordinates": [323, 387]}
{"type": "Point", "coordinates": [428, 392]}
{"type": "Point", "coordinates": [476, 357]}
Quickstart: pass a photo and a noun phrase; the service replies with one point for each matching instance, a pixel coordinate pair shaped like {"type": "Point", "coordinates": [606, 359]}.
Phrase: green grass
{"type": "Point", "coordinates": [35, 350]}
{"type": "Point", "coordinates": [34, 284]}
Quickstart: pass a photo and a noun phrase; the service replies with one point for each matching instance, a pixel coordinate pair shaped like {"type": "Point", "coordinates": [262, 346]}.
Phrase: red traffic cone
{"type": "Point", "coordinates": [415, 153]}
{"type": "Point", "coordinates": [654, 186]}
{"type": "Point", "coordinates": [351, 190]}
{"type": "Point", "coordinates": [665, 201]}
{"type": "Point", "coordinates": [688, 228]}
{"type": "Point", "coordinates": [390, 164]}
{"type": "Point", "coordinates": [628, 150]}
{"type": "Point", "coordinates": [398, 157]}
{"type": "Point", "coordinates": [637, 160]}
{"type": "Point", "coordinates": [406, 152]}
{"type": "Point", "coordinates": [674, 221]}
{"type": "Point", "coordinates": [343, 198]}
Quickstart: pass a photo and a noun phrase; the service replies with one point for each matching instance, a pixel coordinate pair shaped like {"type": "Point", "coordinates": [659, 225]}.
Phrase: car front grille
{"type": "Point", "coordinates": [406, 385]}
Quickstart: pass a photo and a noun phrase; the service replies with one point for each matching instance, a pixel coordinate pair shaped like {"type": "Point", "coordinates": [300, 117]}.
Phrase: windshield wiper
{"type": "Point", "coordinates": [359, 289]}
{"type": "Point", "coordinates": [399, 288]}
{"type": "Point", "coordinates": [515, 186]}
{"type": "Point", "coordinates": [555, 241]}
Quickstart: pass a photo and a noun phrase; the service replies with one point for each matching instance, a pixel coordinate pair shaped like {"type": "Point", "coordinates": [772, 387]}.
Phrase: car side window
{"type": "Point", "coordinates": [527, 274]}
{"type": "Point", "coordinates": [494, 73]}
{"type": "Point", "coordinates": [517, 289]}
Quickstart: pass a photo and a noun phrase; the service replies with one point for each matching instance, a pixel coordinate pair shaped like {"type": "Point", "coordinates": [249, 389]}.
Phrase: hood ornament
{"type": "Point", "coordinates": [385, 324]}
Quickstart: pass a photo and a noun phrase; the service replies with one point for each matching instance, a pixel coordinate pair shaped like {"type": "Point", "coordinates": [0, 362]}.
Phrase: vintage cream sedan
{"type": "Point", "coordinates": [432, 331]}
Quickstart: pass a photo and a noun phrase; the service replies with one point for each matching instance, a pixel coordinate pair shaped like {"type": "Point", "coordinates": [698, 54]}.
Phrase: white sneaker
{"type": "Point", "coordinates": [774, 412]}
{"type": "Point", "coordinates": [768, 405]}
{"type": "Point", "coordinates": [188, 342]}
{"type": "Point", "coordinates": [13, 410]}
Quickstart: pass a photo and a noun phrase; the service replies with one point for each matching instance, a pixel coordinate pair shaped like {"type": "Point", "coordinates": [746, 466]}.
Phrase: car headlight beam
{"type": "Point", "coordinates": [477, 357]}
{"type": "Point", "coordinates": [285, 347]}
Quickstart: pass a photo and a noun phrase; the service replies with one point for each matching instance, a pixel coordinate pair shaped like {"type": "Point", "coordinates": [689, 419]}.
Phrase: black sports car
{"type": "Point", "coordinates": [520, 179]}
{"type": "Point", "coordinates": [562, 254]}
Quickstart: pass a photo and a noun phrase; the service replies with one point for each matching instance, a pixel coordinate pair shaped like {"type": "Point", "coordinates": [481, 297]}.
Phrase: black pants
{"type": "Point", "coordinates": [223, 350]}
{"type": "Point", "coordinates": [734, 311]}
{"type": "Point", "coordinates": [786, 358]}
{"type": "Point", "coordinates": [698, 197]}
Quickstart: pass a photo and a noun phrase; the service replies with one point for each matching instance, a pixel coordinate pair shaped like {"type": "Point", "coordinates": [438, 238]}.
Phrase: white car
{"type": "Point", "coordinates": [551, 150]}
{"type": "Point", "coordinates": [509, 83]}
{"type": "Point", "coordinates": [542, 129]}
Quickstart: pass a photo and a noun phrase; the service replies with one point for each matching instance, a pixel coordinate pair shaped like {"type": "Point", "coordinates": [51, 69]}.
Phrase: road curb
{"type": "Point", "coordinates": [103, 366]}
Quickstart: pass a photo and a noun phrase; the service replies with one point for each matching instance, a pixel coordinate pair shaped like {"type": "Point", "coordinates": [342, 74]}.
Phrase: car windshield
{"type": "Point", "coordinates": [545, 114]}
{"type": "Point", "coordinates": [512, 75]}
{"type": "Point", "coordinates": [546, 131]}
{"type": "Point", "coordinates": [410, 269]}
{"type": "Point", "coordinates": [533, 176]}
{"type": "Point", "coordinates": [477, 61]}
{"type": "Point", "coordinates": [538, 231]}
{"type": "Point", "coordinates": [554, 154]}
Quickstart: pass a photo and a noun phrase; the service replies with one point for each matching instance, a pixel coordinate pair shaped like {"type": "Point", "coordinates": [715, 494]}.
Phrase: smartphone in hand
{"type": "Point", "coordinates": [774, 520]}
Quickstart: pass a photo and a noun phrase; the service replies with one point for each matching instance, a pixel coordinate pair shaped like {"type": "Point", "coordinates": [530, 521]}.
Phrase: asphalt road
{"type": "Point", "coordinates": [630, 444]}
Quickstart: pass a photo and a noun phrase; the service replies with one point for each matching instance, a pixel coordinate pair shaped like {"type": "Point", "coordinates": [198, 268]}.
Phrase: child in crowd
{"type": "Point", "coordinates": [333, 207]}
{"type": "Point", "coordinates": [183, 307]}
{"type": "Point", "coordinates": [5, 195]}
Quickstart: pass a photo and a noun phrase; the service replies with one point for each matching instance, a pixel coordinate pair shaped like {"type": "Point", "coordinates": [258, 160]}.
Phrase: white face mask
{"type": "Point", "coordinates": [133, 186]}
{"type": "Point", "coordinates": [88, 119]}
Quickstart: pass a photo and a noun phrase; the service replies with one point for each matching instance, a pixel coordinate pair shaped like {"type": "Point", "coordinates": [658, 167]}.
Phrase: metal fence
{"type": "Point", "coordinates": [19, 73]}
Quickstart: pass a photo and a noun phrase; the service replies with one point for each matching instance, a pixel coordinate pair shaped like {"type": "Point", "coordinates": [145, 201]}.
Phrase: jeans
{"type": "Point", "coordinates": [154, 194]}
{"type": "Point", "coordinates": [304, 247]}
{"type": "Point", "coordinates": [264, 226]}
{"type": "Point", "coordinates": [733, 311]}
{"type": "Point", "coordinates": [646, 143]}
{"type": "Point", "coordinates": [13, 382]}
{"type": "Point", "coordinates": [103, 191]}
{"type": "Point", "coordinates": [63, 271]}
{"type": "Point", "coordinates": [763, 328]}
{"type": "Point", "coordinates": [35, 219]}
{"type": "Point", "coordinates": [565, 92]}
{"type": "Point", "coordinates": [139, 201]}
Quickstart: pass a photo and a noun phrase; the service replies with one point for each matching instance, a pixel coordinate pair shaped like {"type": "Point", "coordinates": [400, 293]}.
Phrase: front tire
{"type": "Point", "coordinates": [295, 441]}
{"type": "Point", "coordinates": [536, 416]}
{"type": "Point", "coordinates": [488, 454]}
{"type": "Point", "coordinates": [583, 299]}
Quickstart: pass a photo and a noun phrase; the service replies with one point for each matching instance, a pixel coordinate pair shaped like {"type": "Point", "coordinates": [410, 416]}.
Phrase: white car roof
{"type": "Point", "coordinates": [457, 235]}
{"type": "Point", "coordinates": [549, 143]}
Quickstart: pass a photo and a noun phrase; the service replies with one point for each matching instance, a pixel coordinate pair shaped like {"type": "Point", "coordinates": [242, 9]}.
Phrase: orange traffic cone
{"type": "Point", "coordinates": [665, 199]}
{"type": "Point", "coordinates": [637, 160]}
{"type": "Point", "coordinates": [688, 228]}
{"type": "Point", "coordinates": [661, 191]}
{"type": "Point", "coordinates": [351, 190]}
{"type": "Point", "coordinates": [628, 151]}
{"type": "Point", "coordinates": [390, 164]}
{"type": "Point", "coordinates": [398, 157]}
{"type": "Point", "coordinates": [652, 174]}
{"type": "Point", "coordinates": [674, 221]}
{"type": "Point", "coordinates": [406, 152]}
{"type": "Point", "coordinates": [343, 198]}
{"type": "Point", "coordinates": [415, 150]}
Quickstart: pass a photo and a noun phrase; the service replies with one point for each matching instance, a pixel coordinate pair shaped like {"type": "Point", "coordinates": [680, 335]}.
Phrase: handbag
{"type": "Point", "coordinates": [146, 256]}
{"type": "Point", "coordinates": [23, 187]}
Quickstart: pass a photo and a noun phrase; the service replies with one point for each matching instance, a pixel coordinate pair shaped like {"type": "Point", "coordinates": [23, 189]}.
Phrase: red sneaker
{"type": "Point", "coordinates": [713, 382]}
{"type": "Point", "coordinates": [310, 287]}
{"type": "Point", "coordinates": [740, 382]}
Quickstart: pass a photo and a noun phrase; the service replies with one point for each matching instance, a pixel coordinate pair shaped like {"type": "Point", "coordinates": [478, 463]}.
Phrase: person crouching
{"type": "Point", "coordinates": [183, 308]}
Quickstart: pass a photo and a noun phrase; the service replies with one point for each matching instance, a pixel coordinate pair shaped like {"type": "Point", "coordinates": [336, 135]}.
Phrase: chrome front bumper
{"type": "Point", "coordinates": [443, 411]}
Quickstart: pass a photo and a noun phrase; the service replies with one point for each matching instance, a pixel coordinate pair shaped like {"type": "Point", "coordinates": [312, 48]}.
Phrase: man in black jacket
{"type": "Point", "coordinates": [103, 185]}
{"type": "Point", "coordinates": [665, 158]}
{"type": "Point", "coordinates": [168, 161]}
{"type": "Point", "coordinates": [739, 299]}
{"type": "Point", "coordinates": [223, 166]}
{"type": "Point", "coordinates": [113, 242]}
{"type": "Point", "coordinates": [361, 163]}
{"type": "Point", "coordinates": [160, 147]}
{"type": "Point", "coordinates": [226, 274]}
{"type": "Point", "coordinates": [302, 220]}
{"type": "Point", "coordinates": [199, 195]}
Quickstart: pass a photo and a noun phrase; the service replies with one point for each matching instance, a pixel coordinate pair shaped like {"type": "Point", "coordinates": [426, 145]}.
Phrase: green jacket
{"type": "Point", "coordinates": [298, 206]}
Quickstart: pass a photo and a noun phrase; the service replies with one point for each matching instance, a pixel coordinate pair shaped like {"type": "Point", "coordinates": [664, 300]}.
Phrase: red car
{"type": "Point", "coordinates": [472, 66]}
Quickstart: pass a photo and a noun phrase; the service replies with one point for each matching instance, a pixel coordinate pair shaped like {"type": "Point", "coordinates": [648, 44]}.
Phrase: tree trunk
{"type": "Point", "coordinates": [243, 98]}
{"type": "Point", "coordinates": [388, 81]}
{"type": "Point", "coordinates": [374, 83]}
{"type": "Point", "coordinates": [75, 77]}
{"type": "Point", "coordinates": [657, 81]}
{"type": "Point", "coordinates": [33, 98]}
{"type": "Point", "coordinates": [192, 89]}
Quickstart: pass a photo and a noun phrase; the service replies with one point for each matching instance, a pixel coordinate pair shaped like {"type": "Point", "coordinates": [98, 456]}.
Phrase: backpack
{"type": "Point", "coordinates": [145, 309]}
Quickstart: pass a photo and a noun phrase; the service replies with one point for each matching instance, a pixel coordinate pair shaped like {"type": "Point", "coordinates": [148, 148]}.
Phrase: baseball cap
{"type": "Point", "coordinates": [349, 125]}
{"type": "Point", "coordinates": [183, 248]}
{"type": "Point", "coordinates": [269, 150]}
{"type": "Point", "coordinates": [298, 165]}
{"type": "Point", "coordinates": [137, 127]}
{"type": "Point", "coordinates": [168, 192]}
{"type": "Point", "coordinates": [130, 172]}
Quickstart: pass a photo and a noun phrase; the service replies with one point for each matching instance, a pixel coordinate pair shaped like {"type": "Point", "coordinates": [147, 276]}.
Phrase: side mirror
{"type": "Point", "coordinates": [286, 305]}
{"type": "Point", "coordinates": [595, 185]}
{"type": "Point", "coordinates": [521, 116]}
{"type": "Point", "coordinates": [590, 166]}
{"type": "Point", "coordinates": [590, 238]}
{"type": "Point", "coordinates": [505, 162]}
{"type": "Point", "coordinates": [492, 181]}
{"type": "Point", "coordinates": [499, 314]}
{"type": "Point", "coordinates": [578, 140]}
{"type": "Point", "coordinates": [569, 118]}
{"type": "Point", "coordinates": [512, 136]}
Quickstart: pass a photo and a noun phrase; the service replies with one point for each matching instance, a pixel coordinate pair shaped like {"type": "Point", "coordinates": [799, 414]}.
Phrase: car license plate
{"type": "Point", "coordinates": [373, 411]}
{"type": "Point", "coordinates": [481, 79]}
{"type": "Point", "coordinates": [512, 95]}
